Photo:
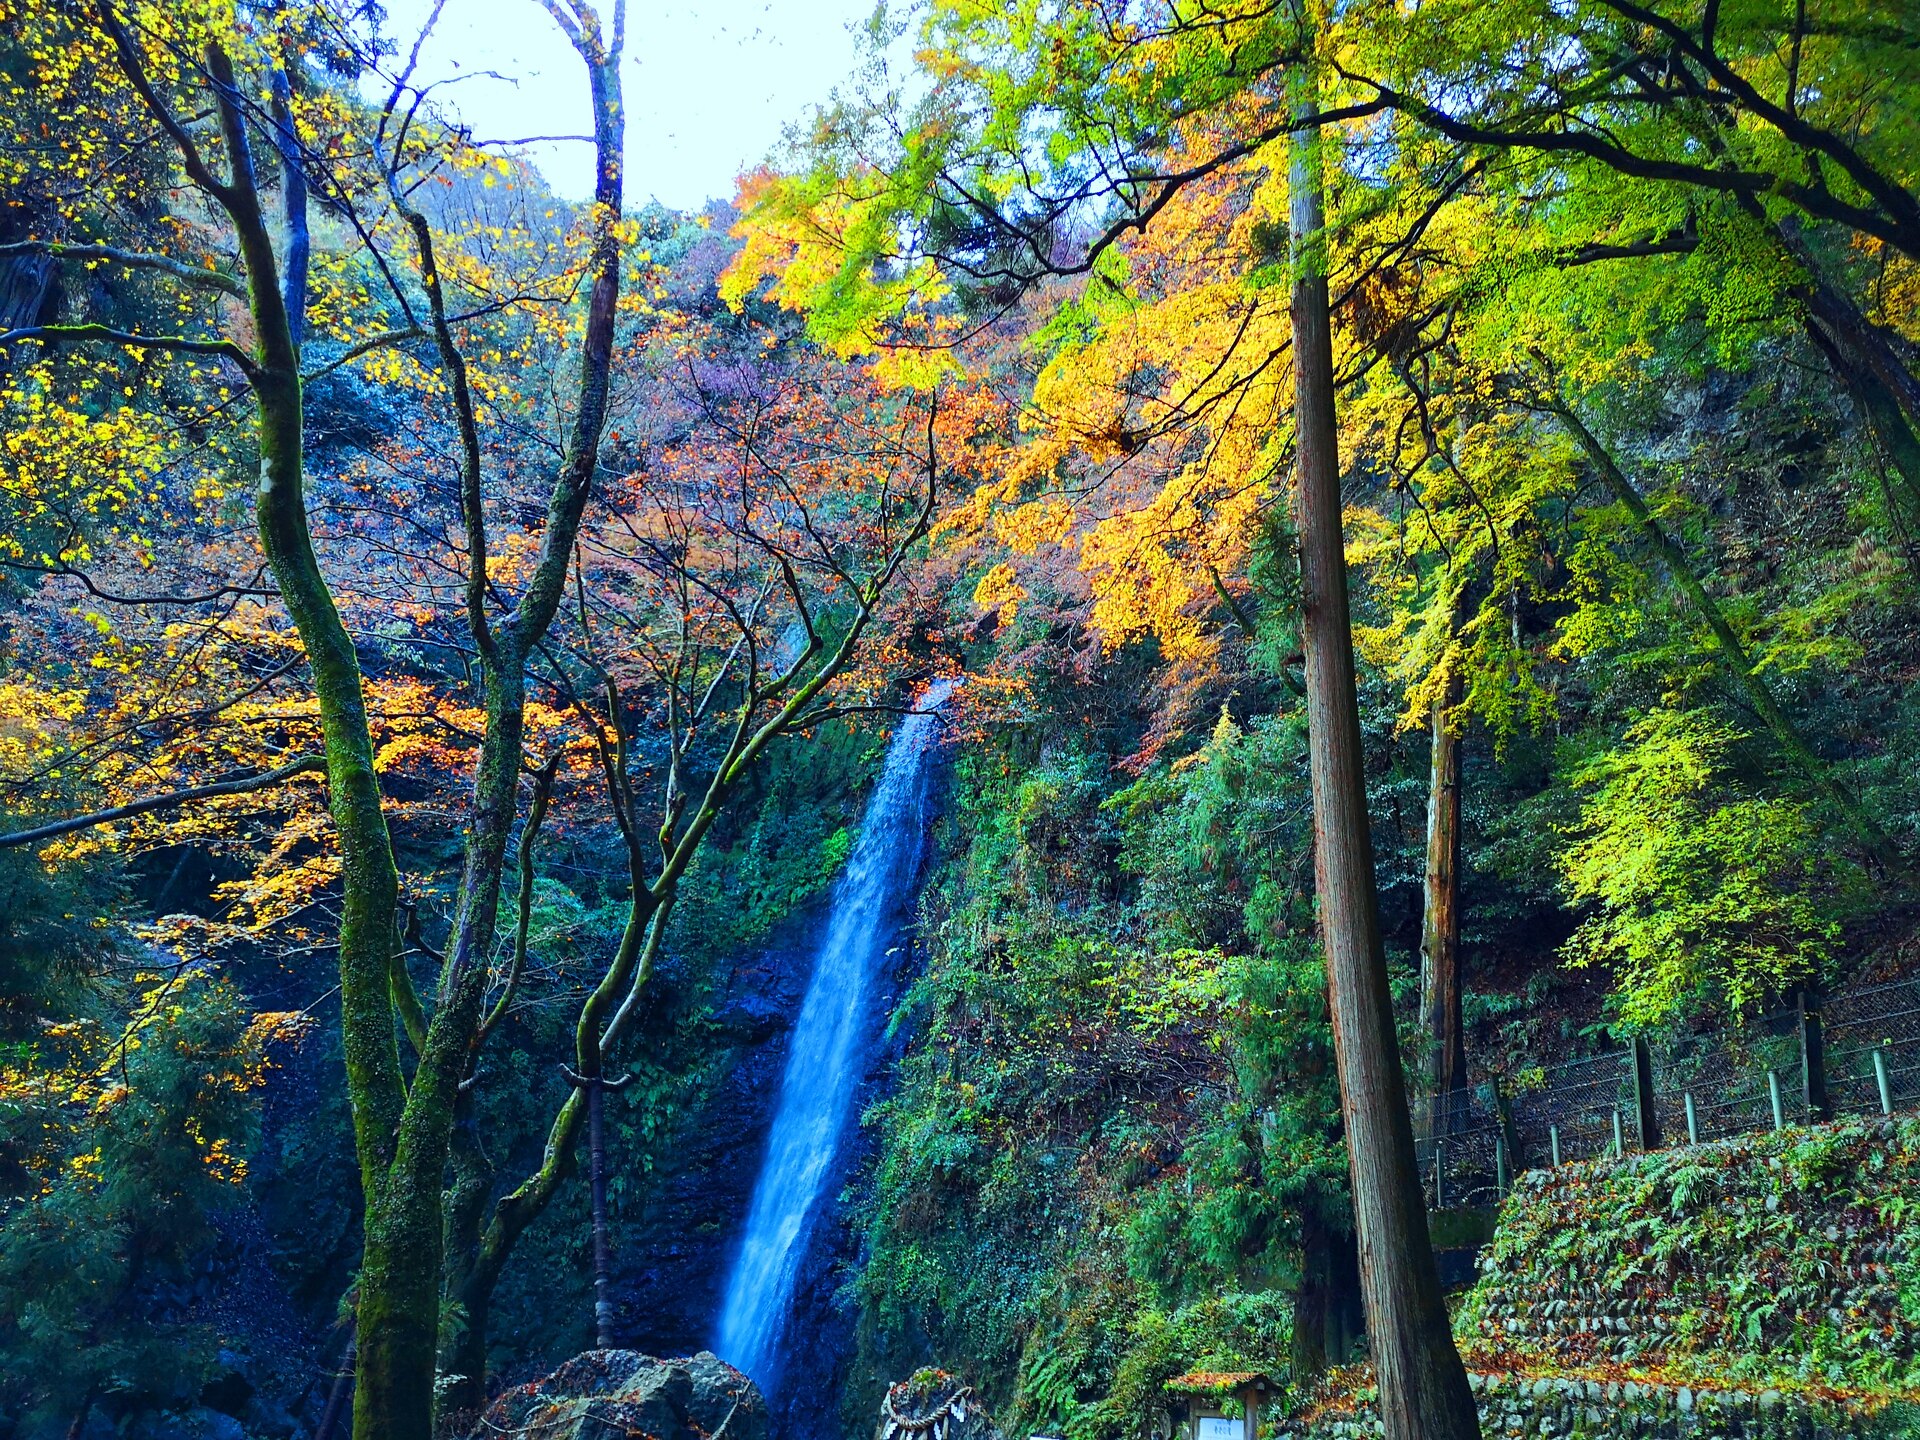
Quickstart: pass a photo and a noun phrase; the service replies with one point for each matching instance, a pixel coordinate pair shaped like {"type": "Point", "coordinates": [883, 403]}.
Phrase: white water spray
{"type": "Point", "coordinates": [825, 1063]}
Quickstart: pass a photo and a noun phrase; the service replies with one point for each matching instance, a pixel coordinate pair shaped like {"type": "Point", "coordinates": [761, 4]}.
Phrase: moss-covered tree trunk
{"type": "Point", "coordinates": [402, 1129]}
{"type": "Point", "coordinates": [389, 1375]}
{"type": "Point", "coordinates": [405, 1220]}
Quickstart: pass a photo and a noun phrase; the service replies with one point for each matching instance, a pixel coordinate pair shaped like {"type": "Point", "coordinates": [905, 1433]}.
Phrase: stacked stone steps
{"type": "Point", "coordinates": [1793, 1255]}
{"type": "Point", "coordinates": [1779, 1250]}
{"type": "Point", "coordinates": [1573, 1407]}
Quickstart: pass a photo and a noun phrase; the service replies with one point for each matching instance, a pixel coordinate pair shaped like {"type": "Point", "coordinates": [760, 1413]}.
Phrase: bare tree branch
{"type": "Point", "coordinates": [196, 275]}
{"type": "Point", "coordinates": [243, 785]}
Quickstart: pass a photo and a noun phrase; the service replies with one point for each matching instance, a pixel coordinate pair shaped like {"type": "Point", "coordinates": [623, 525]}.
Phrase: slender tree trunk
{"type": "Point", "coordinates": [597, 1189]}
{"type": "Point", "coordinates": [521, 1206]}
{"type": "Point", "coordinates": [402, 1272]}
{"type": "Point", "coordinates": [1423, 1386]}
{"type": "Point", "coordinates": [1864, 356]}
{"type": "Point", "coordinates": [401, 1130]}
{"type": "Point", "coordinates": [337, 1393]}
{"type": "Point", "coordinates": [79, 1425]}
{"type": "Point", "coordinates": [597, 1186]}
{"type": "Point", "coordinates": [1879, 406]}
{"type": "Point", "coordinates": [612, 1009]}
{"type": "Point", "coordinates": [1440, 931]}
{"type": "Point", "coordinates": [464, 1360]}
{"type": "Point", "coordinates": [1785, 733]}
{"type": "Point", "coordinates": [408, 1223]}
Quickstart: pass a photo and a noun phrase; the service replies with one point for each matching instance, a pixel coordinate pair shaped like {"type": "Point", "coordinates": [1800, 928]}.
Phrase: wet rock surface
{"type": "Point", "coordinates": [673, 1265]}
{"type": "Point", "coordinates": [604, 1394]}
{"type": "Point", "coordinates": [674, 1269]}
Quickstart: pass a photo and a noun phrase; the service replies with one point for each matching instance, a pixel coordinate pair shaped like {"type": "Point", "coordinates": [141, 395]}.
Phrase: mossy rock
{"type": "Point", "coordinates": [607, 1393]}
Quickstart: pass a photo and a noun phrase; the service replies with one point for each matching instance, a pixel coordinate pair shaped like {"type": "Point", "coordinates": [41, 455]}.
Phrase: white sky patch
{"type": "Point", "coordinates": [709, 85]}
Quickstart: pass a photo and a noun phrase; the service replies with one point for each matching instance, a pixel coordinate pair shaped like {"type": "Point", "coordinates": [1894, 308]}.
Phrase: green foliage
{"type": "Point", "coordinates": [134, 1136]}
{"type": "Point", "coordinates": [784, 847]}
{"type": "Point", "coordinates": [1116, 1101]}
{"type": "Point", "coordinates": [1262, 1153]}
{"type": "Point", "coordinates": [56, 923]}
{"type": "Point", "coordinates": [1233, 1331]}
{"type": "Point", "coordinates": [1708, 896]}
{"type": "Point", "coordinates": [1230, 1332]}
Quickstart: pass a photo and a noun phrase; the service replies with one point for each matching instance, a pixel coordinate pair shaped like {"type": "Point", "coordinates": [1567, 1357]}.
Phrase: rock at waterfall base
{"type": "Point", "coordinates": [607, 1393]}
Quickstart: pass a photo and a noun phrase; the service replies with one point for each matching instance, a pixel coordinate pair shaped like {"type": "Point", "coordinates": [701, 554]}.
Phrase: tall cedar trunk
{"type": "Point", "coordinates": [1423, 1386]}
{"type": "Point", "coordinates": [1440, 930]}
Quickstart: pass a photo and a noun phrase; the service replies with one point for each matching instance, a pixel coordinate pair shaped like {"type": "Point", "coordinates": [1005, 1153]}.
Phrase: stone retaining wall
{"type": "Point", "coordinates": [1561, 1407]}
{"type": "Point", "coordinates": [1786, 1254]}
{"type": "Point", "coordinates": [1782, 1270]}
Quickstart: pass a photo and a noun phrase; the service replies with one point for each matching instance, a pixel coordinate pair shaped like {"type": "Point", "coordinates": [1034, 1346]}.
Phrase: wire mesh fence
{"type": "Point", "coordinates": [1857, 1052]}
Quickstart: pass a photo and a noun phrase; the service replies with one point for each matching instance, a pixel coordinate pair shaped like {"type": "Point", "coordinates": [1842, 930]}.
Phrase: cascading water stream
{"type": "Point", "coordinates": [829, 1049]}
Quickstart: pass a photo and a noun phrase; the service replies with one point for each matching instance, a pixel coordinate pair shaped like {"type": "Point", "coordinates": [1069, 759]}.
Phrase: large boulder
{"type": "Point", "coordinates": [607, 1393]}
{"type": "Point", "coordinates": [934, 1405]}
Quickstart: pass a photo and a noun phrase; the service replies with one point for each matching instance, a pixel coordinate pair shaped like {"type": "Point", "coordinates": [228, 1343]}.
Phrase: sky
{"type": "Point", "coordinates": [709, 84]}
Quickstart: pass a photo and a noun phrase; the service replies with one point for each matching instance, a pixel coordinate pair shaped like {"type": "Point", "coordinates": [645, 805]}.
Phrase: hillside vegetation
{"type": "Point", "coordinates": [1420, 505]}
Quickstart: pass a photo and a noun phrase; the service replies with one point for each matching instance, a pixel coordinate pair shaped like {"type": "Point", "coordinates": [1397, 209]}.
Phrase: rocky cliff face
{"type": "Point", "coordinates": [675, 1261]}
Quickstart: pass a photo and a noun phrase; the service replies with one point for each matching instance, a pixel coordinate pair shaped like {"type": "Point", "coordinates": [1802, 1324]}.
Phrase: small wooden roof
{"type": "Point", "coordinates": [1218, 1382]}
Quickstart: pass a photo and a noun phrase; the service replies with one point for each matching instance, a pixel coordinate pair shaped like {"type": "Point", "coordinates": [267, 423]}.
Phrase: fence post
{"type": "Point", "coordinates": [1813, 1056]}
{"type": "Point", "coordinates": [1886, 1086]}
{"type": "Point", "coordinates": [1619, 1139]}
{"type": "Point", "coordinates": [1693, 1125]}
{"type": "Point", "coordinates": [1644, 1111]}
{"type": "Point", "coordinates": [1439, 1174]}
{"type": "Point", "coordinates": [1553, 1139]}
{"type": "Point", "coordinates": [1773, 1092]}
{"type": "Point", "coordinates": [1509, 1127]}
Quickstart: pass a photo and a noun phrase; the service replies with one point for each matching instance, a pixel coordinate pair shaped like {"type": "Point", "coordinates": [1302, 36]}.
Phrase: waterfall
{"type": "Point", "coordinates": [828, 1054]}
